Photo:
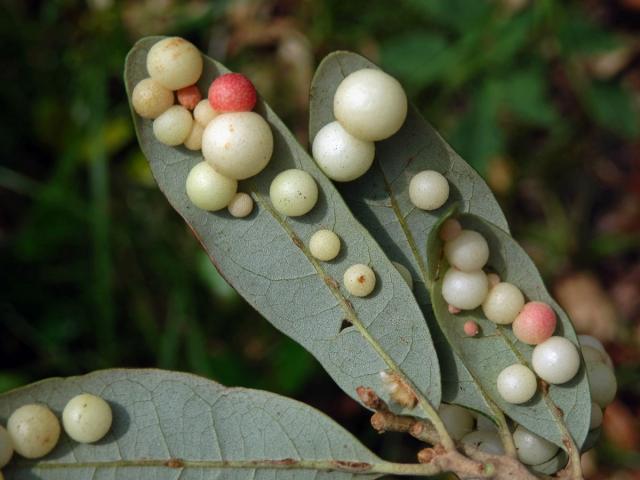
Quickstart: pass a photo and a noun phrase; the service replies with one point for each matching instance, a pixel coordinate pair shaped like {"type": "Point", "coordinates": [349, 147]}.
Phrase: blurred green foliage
{"type": "Point", "coordinates": [98, 271]}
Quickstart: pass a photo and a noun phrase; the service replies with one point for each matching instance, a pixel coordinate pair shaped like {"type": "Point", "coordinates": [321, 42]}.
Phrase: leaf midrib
{"type": "Point", "coordinates": [346, 305]}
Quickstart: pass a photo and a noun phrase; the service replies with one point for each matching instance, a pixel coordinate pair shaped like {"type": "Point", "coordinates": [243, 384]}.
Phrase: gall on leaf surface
{"type": "Point", "coordinates": [555, 411]}
{"type": "Point", "coordinates": [169, 425]}
{"type": "Point", "coordinates": [380, 200]}
{"type": "Point", "coordinates": [265, 257]}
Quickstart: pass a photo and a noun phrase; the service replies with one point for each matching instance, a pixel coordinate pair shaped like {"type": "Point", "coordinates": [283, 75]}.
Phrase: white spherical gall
{"type": "Point", "coordinates": [405, 273]}
{"type": "Point", "coordinates": [593, 342]}
{"type": "Point", "coordinates": [591, 355]}
{"type": "Point", "coordinates": [293, 192]}
{"type": "Point", "coordinates": [194, 140]}
{"type": "Point", "coordinates": [556, 360]}
{"type": "Point", "coordinates": [238, 144]}
{"type": "Point", "coordinates": [359, 280]}
{"type": "Point", "coordinates": [150, 99]}
{"type": "Point", "coordinates": [208, 189]}
{"type": "Point", "coordinates": [469, 251]}
{"type": "Point", "coordinates": [173, 126]}
{"type": "Point", "coordinates": [464, 290]}
{"type": "Point", "coordinates": [6, 447]}
{"type": "Point", "coordinates": [596, 416]}
{"type": "Point", "coordinates": [341, 156]}
{"type": "Point", "coordinates": [175, 63]}
{"type": "Point", "coordinates": [87, 418]}
{"type": "Point", "coordinates": [532, 449]}
{"type": "Point", "coordinates": [517, 384]}
{"type": "Point", "coordinates": [603, 383]}
{"type": "Point", "coordinates": [324, 245]}
{"type": "Point", "coordinates": [370, 104]}
{"type": "Point", "coordinates": [204, 113]}
{"type": "Point", "coordinates": [503, 303]}
{"type": "Point", "coordinates": [241, 205]}
{"type": "Point", "coordinates": [449, 229]}
{"type": "Point", "coordinates": [485, 441]}
{"type": "Point", "coordinates": [34, 430]}
{"type": "Point", "coordinates": [457, 420]}
{"type": "Point", "coordinates": [428, 190]}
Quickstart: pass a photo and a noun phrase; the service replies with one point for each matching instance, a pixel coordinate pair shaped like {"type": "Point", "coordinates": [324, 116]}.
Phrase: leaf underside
{"type": "Point", "coordinates": [265, 258]}
{"type": "Point", "coordinates": [170, 425]}
{"type": "Point", "coordinates": [380, 200]}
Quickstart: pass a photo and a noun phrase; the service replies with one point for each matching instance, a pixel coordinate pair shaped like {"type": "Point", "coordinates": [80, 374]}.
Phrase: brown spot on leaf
{"type": "Point", "coordinates": [352, 466]}
{"type": "Point", "coordinates": [174, 463]}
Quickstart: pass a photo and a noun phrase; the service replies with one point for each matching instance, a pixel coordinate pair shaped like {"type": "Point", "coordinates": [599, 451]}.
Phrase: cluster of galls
{"type": "Point", "coordinates": [237, 143]}
{"type": "Point", "coordinates": [555, 359]}
{"type": "Point", "coordinates": [33, 430]}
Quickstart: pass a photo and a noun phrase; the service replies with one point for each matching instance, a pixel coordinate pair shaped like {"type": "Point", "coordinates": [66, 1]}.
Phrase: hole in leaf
{"type": "Point", "coordinates": [344, 325]}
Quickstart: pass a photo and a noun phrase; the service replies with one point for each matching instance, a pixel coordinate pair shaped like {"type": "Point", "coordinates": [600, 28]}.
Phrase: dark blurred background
{"type": "Point", "coordinates": [97, 271]}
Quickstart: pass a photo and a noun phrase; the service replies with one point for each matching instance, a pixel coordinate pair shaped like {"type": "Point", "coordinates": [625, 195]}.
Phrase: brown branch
{"type": "Point", "coordinates": [390, 422]}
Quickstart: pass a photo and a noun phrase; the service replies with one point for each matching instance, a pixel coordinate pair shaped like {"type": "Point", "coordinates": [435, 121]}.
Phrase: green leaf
{"type": "Point", "coordinates": [612, 108]}
{"type": "Point", "coordinates": [417, 57]}
{"type": "Point", "coordinates": [552, 414]}
{"type": "Point", "coordinates": [478, 136]}
{"type": "Point", "coordinates": [170, 425]}
{"type": "Point", "coordinates": [458, 15]}
{"type": "Point", "coordinates": [524, 94]}
{"type": "Point", "coordinates": [265, 258]}
{"type": "Point", "coordinates": [380, 200]}
{"type": "Point", "coordinates": [579, 34]}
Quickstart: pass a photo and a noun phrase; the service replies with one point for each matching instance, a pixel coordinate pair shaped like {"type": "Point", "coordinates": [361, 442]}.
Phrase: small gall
{"type": "Point", "coordinates": [450, 229]}
{"type": "Point", "coordinates": [189, 97]}
{"type": "Point", "coordinates": [535, 323]}
{"type": "Point", "coordinates": [471, 328]}
{"type": "Point", "coordinates": [453, 310]}
{"type": "Point", "coordinates": [494, 279]}
{"type": "Point", "coordinates": [232, 92]}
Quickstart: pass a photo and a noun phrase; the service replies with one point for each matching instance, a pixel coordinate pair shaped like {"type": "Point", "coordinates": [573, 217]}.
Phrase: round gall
{"type": "Point", "coordinates": [370, 104]}
{"type": "Point", "coordinates": [173, 126]}
{"type": "Point", "coordinates": [232, 92]}
{"type": "Point", "coordinates": [428, 190]}
{"type": "Point", "coordinates": [556, 360]}
{"type": "Point", "coordinates": [503, 303]}
{"type": "Point", "coordinates": [87, 418]}
{"type": "Point", "coordinates": [175, 63]}
{"type": "Point", "coordinates": [341, 156]}
{"type": "Point", "coordinates": [189, 97]}
{"type": "Point", "coordinates": [238, 145]}
{"type": "Point", "coordinates": [359, 280]}
{"type": "Point", "coordinates": [517, 384]}
{"type": "Point", "coordinates": [464, 290]}
{"type": "Point", "coordinates": [34, 430]}
{"type": "Point", "coordinates": [324, 245]}
{"type": "Point", "coordinates": [208, 189]}
{"type": "Point", "coordinates": [150, 99]}
{"type": "Point", "coordinates": [532, 449]}
{"type": "Point", "coordinates": [241, 205]}
{"type": "Point", "coordinates": [293, 192]}
{"type": "Point", "coordinates": [535, 323]}
{"type": "Point", "coordinates": [469, 251]}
